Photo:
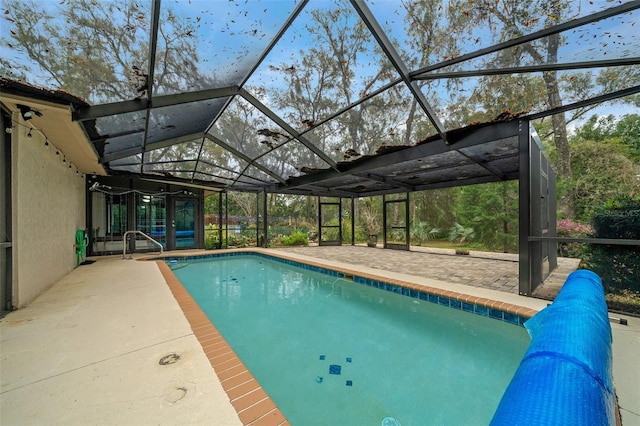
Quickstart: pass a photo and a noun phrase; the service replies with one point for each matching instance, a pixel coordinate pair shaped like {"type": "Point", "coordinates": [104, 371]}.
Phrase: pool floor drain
{"type": "Point", "coordinates": [390, 421]}
{"type": "Point", "coordinates": [169, 359]}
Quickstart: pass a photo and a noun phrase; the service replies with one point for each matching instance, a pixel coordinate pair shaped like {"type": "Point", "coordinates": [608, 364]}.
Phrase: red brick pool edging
{"type": "Point", "coordinates": [251, 402]}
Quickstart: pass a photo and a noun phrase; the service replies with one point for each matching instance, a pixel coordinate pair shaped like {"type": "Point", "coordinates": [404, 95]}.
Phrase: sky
{"type": "Point", "coordinates": [232, 34]}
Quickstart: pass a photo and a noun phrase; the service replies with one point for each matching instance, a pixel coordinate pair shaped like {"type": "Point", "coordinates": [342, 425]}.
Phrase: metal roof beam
{"type": "Point", "coordinates": [623, 8]}
{"type": "Point", "coordinates": [209, 163]}
{"type": "Point", "coordinates": [115, 108]}
{"type": "Point", "coordinates": [440, 185]}
{"type": "Point", "coordinates": [489, 133]}
{"type": "Point", "coordinates": [177, 161]}
{"type": "Point", "coordinates": [354, 104]}
{"type": "Point", "coordinates": [464, 182]}
{"type": "Point", "coordinates": [280, 122]}
{"type": "Point", "coordinates": [148, 84]}
{"type": "Point", "coordinates": [484, 164]}
{"type": "Point", "coordinates": [530, 69]}
{"type": "Point", "coordinates": [153, 45]}
{"type": "Point", "coordinates": [239, 154]}
{"type": "Point", "coordinates": [209, 186]}
{"type": "Point", "coordinates": [275, 39]}
{"type": "Point", "coordinates": [384, 179]}
{"type": "Point", "coordinates": [580, 104]}
{"type": "Point", "coordinates": [219, 177]}
{"type": "Point", "coordinates": [395, 59]}
{"type": "Point", "coordinates": [150, 147]}
{"type": "Point", "coordinates": [327, 192]}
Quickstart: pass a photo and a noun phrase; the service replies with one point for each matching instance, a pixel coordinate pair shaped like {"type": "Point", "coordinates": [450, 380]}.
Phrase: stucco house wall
{"type": "Point", "coordinates": [48, 206]}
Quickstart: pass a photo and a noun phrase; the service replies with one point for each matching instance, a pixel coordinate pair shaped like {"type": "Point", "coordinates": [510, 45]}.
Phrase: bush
{"type": "Point", "coordinates": [211, 237]}
{"type": "Point", "coordinates": [422, 232]}
{"type": "Point", "coordinates": [236, 241]}
{"type": "Point", "coordinates": [618, 220]}
{"type": "Point", "coordinates": [460, 234]}
{"type": "Point", "coordinates": [618, 266]}
{"type": "Point", "coordinates": [297, 238]}
{"type": "Point", "coordinates": [572, 229]}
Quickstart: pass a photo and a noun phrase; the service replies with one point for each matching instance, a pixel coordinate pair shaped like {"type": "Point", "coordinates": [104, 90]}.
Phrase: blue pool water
{"type": "Point", "coordinates": [333, 352]}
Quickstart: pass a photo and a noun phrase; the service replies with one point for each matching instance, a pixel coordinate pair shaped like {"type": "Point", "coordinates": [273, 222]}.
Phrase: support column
{"type": "Point", "coordinates": [407, 222]}
{"type": "Point", "coordinates": [220, 219]}
{"type": "Point", "coordinates": [131, 217]}
{"type": "Point", "coordinates": [340, 220]}
{"type": "Point", "coordinates": [535, 216]}
{"type": "Point", "coordinates": [265, 223]}
{"type": "Point", "coordinates": [319, 215]}
{"type": "Point", "coordinates": [384, 221]}
{"type": "Point", "coordinates": [553, 214]}
{"type": "Point", "coordinates": [353, 222]}
{"type": "Point", "coordinates": [226, 219]}
{"type": "Point", "coordinates": [524, 207]}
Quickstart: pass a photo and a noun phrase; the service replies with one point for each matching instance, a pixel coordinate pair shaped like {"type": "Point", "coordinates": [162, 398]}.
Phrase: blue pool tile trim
{"type": "Point", "coordinates": [393, 288]}
{"type": "Point", "coordinates": [495, 314]}
{"type": "Point", "coordinates": [510, 318]}
{"type": "Point", "coordinates": [481, 310]}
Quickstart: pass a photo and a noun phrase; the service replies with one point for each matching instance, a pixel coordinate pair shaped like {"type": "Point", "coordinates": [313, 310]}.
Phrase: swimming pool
{"type": "Point", "coordinates": [331, 351]}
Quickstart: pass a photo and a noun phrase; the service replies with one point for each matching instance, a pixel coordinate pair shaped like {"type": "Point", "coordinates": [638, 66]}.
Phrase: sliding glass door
{"type": "Point", "coordinates": [151, 218]}
{"type": "Point", "coordinates": [184, 223]}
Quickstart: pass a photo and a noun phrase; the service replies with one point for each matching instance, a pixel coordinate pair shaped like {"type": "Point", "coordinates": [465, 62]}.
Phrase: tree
{"type": "Point", "coordinates": [99, 50]}
{"type": "Point", "coordinates": [507, 20]}
{"type": "Point", "coordinates": [243, 204]}
{"type": "Point", "coordinates": [491, 210]}
{"type": "Point", "coordinates": [513, 19]}
{"type": "Point", "coordinates": [602, 172]}
{"type": "Point", "coordinates": [626, 130]}
{"type": "Point", "coordinates": [343, 64]}
{"type": "Point", "coordinates": [435, 207]}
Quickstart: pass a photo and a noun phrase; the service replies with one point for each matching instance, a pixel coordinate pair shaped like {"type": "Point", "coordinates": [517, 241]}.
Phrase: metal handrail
{"type": "Point", "coordinates": [124, 242]}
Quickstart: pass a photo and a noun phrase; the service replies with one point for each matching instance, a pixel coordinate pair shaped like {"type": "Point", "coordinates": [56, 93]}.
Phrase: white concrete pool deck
{"type": "Point", "coordinates": [87, 351]}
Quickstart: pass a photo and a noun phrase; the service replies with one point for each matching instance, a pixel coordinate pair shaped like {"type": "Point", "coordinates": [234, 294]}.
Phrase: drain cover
{"type": "Point", "coordinates": [390, 421]}
{"type": "Point", "coordinates": [169, 359]}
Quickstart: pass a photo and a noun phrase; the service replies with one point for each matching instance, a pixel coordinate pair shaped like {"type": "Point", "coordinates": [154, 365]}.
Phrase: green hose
{"type": "Point", "coordinates": [81, 245]}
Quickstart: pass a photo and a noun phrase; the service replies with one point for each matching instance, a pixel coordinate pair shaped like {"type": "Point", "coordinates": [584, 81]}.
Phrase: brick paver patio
{"type": "Point", "coordinates": [495, 273]}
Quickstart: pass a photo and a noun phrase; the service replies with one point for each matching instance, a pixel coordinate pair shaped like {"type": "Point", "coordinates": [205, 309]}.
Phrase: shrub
{"type": "Point", "coordinates": [422, 232]}
{"type": "Point", "coordinates": [617, 265]}
{"type": "Point", "coordinates": [211, 237]}
{"type": "Point", "coordinates": [236, 240]}
{"type": "Point", "coordinates": [296, 238]}
{"type": "Point", "coordinates": [572, 229]}
{"type": "Point", "coordinates": [461, 234]}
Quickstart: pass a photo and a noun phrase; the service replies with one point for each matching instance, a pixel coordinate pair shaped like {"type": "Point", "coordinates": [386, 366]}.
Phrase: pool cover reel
{"type": "Point", "coordinates": [565, 376]}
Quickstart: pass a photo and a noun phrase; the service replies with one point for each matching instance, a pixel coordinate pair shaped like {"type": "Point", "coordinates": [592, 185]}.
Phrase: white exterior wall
{"type": "Point", "coordinates": [48, 206]}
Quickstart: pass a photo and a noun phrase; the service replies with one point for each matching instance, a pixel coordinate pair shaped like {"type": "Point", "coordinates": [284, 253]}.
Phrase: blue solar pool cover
{"type": "Point", "coordinates": [565, 376]}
